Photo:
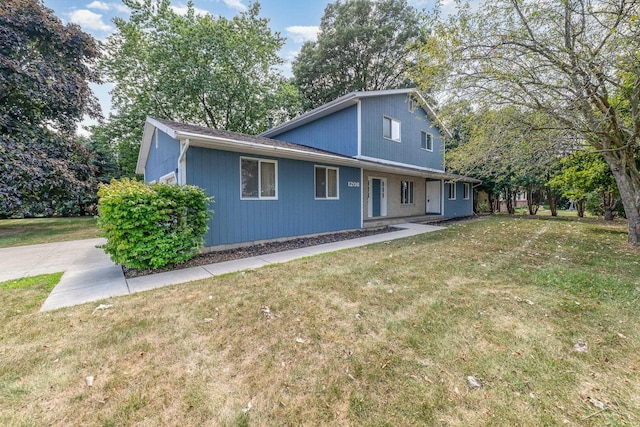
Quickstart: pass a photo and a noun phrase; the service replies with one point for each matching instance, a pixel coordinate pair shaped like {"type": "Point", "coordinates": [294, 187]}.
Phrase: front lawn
{"type": "Point", "coordinates": [19, 232]}
{"type": "Point", "coordinates": [384, 335]}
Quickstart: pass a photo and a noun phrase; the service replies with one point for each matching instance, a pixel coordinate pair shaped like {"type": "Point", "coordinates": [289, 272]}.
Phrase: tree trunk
{"type": "Point", "coordinates": [623, 167]}
{"type": "Point", "coordinates": [475, 202]}
{"type": "Point", "coordinates": [608, 205]}
{"type": "Point", "coordinates": [510, 201]}
{"type": "Point", "coordinates": [533, 200]}
{"type": "Point", "coordinates": [492, 203]}
{"type": "Point", "coordinates": [608, 213]}
{"type": "Point", "coordinates": [553, 205]}
{"type": "Point", "coordinates": [580, 207]}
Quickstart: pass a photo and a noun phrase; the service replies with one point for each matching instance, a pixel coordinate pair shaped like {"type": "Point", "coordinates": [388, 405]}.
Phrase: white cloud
{"type": "Point", "coordinates": [301, 33]}
{"type": "Point", "coordinates": [235, 4]}
{"type": "Point", "coordinates": [89, 20]}
{"type": "Point", "coordinates": [182, 10]}
{"type": "Point", "coordinates": [101, 5]}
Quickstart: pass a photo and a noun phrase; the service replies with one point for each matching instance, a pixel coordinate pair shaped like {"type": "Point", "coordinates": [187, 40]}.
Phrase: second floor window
{"type": "Point", "coordinates": [426, 141]}
{"type": "Point", "coordinates": [406, 192]}
{"type": "Point", "coordinates": [391, 129]}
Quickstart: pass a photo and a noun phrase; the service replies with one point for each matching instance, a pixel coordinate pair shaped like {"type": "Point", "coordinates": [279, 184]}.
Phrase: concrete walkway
{"type": "Point", "coordinates": [91, 276]}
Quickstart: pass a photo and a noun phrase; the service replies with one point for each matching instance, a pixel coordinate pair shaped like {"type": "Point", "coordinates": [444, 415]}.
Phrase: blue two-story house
{"type": "Point", "coordinates": [363, 160]}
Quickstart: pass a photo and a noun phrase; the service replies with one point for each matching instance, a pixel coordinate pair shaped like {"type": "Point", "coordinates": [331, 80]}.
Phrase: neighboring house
{"type": "Point", "coordinates": [363, 160]}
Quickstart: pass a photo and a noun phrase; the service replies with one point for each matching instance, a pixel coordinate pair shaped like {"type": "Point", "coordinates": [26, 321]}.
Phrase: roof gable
{"type": "Point", "coordinates": [349, 100]}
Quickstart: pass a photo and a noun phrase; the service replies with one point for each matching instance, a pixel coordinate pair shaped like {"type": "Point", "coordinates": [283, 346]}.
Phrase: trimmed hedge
{"type": "Point", "coordinates": [152, 225]}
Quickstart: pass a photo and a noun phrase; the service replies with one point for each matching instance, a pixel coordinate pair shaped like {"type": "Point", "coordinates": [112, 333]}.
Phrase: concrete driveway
{"type": "Point", "coordinates": [89, 273]}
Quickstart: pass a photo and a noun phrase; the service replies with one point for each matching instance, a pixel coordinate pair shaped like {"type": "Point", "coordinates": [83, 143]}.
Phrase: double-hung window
{"type": "Point", "coordinates": [406, 192]}
{"type": "Point", "coordinates": [426, 141]}
{"type": "Point", "coordinates": [466, 191]}
{"type": "Point", "coordinates": [326, 182]}
{"type": "Point", "coordinates": [452, 191]}
{"type": "Point", "coordinates": [258, 179]}
{"type": "Point", "coordinates": [391, 129]}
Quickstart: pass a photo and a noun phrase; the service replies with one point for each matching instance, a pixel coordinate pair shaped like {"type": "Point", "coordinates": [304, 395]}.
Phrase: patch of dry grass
{"type": "Point", "coordinates": [381, 335]}
{"type": "Point", "coordinates": [32, 231]}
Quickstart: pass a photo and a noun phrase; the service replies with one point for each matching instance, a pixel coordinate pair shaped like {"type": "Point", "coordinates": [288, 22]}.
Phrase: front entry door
{"type": "Point", "coordinates": [377, 197]}
{"type": "Point", "coordinates": [434, 197]}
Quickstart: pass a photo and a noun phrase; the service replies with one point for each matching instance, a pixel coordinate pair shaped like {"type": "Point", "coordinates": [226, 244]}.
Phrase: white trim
{"type": "Point", "coordinates": [182, 162]}
{"type": "Point", "coordinates": [392, 163]}
{"type": "Point", "coordinates": [164, 128]}
{"type": "Point", "coordinates": [412, 104]}
{"type": "Point", "coordinates": [442, 205]}
{"type": "Point", "coordinates": [260, 161]}
{"type": "Point", "coordinates": [361, 198]}
{"type": "Point", "coordinates": [392, 120]}
{"type": "Point", "coordinates": [383, 197]}
{"type": "Point", "coordinates": [269, 150]}
{"type": "Point", "coordinates": [169, 178]}
{"type": "Point", "coordinates": [452, 184]}
{"type": "Point", "coordinates": [427, 198]}
{"type": "Point", "coordinates": [410, 193]}
{"type": "Point", "coordinates": [326, 187]}
{"type": "Point", "coordinates": [466, 188]}
{"type": "Point", "coordinates": [359, 112]}
{"type": "Point", "coordinates": [428, 137]}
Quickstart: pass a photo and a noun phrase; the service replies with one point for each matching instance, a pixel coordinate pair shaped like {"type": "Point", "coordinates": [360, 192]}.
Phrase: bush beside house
{"type": "Point", "coordinates": [152, 225]}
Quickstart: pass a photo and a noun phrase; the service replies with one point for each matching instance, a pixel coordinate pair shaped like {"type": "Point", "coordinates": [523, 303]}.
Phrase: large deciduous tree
{"type": "Point", "coordinates": [576, 61]}
{"type": "Point", "coordinates": [362, 45]}
{"type": "Point", "coordinates": [45, 71]}
{"type": "Point", "coordinates": [200, 69]}
{"type": "Point", "coordinates": [505, 150]}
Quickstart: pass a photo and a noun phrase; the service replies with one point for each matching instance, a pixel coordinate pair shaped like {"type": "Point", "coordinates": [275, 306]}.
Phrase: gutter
{"type": "Point", "coordinates": [182, 162]}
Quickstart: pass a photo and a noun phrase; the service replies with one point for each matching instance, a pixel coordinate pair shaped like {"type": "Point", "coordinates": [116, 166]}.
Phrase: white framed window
{"type": "Point", "coordinates": [452, 190]}
{"type": "Point", "coordinates": [426, 141]}
{"type": "Point", "coordinates": [258, 179]}
{"type": "Point", "coordinates": [391, 129]}
{"type": "Point", "coordinates": [169, 178]}
{"type": "Point", "coordinates": [406, 192]}
{"type": "Point", "coordinates": [413, 105]}
{"type": "Point", "coordinates": [326, 182]}
{"type": "Point", "coordinates": [466, 191]}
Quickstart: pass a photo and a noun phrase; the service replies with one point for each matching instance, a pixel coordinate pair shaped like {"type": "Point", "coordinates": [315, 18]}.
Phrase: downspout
{"type": "Point", "coordinates": [182, 162]}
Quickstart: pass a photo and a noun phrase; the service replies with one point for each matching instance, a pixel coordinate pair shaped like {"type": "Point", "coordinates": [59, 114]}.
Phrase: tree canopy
{"type": "Point", "coordinates": [45, 71]}
{"type": "Point", "coordinates": [577, 62]}
{"type": "Point", "coordinates": [200, 69]}
{"type": "Point", "coordinates": [362, 45]}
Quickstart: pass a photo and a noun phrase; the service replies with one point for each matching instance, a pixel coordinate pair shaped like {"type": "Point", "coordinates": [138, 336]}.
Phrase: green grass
{"type": "Point", "coordinates": [46, 281]}
{"type": "Point", "coordinates": [19, 232]}
{"type": "Point", "coordinates": [20, 295]}
{"type": "Point", "coordinates": [383, 335]}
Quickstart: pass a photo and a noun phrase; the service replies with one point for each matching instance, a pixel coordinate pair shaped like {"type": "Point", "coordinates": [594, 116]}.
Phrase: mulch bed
{"type": "Point", "coordinates": [263, 249]}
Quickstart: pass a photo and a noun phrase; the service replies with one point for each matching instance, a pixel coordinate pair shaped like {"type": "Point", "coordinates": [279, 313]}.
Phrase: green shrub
{"type": "Point", "coordinates": [152, 225]}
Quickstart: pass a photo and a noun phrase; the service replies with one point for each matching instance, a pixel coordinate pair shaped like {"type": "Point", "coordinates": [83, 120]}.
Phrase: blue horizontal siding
{"type": "Point", "coordinates": [162, 159]}
{"type": "Point", "coordinates": [337, 133]}
{"type": "Point", "coordinates": [459, 207]}
{"type": "Point", "coordinates": [296, 212]}
{"type": "Point", "coordinates": [407, 151]}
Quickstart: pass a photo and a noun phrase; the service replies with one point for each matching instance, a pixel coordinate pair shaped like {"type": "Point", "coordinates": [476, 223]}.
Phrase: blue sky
{"type": "Point", "coordinates": [296, 20]}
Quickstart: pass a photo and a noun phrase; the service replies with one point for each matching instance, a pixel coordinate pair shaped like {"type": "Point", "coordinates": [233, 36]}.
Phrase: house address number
{"type": "Point", "coordinates": [353, 183]}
